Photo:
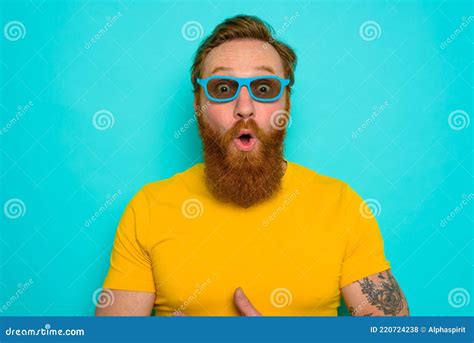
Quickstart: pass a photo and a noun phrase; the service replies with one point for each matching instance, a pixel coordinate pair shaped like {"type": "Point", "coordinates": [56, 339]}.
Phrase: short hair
{"type": "Point", "coordinates": [242, 27]}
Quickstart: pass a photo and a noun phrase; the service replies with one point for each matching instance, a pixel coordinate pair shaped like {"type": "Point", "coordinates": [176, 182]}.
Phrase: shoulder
{"type": "Point", "coordinates": [154, 195]}
{"type": "Point", "coordinates": [310, 179]}
{"type": "Point", "coordinates": [327, 188]}
{"type": "Point", "coordinates": [190, 178]}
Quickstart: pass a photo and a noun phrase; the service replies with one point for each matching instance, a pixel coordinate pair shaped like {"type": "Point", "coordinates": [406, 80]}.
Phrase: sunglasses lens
{"type": "Point", "coordinates": [266, 88]}
{"type": "Point", "coordinates": [222, 88]}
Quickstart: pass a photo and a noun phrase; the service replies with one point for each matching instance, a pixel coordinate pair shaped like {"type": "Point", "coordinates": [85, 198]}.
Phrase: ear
{"type": "Point", "coordinates": [200, 108]}
{"type": "Point", "coordinates": [288, 101]}
{"type": "Point", "coordinates": [196, 102]}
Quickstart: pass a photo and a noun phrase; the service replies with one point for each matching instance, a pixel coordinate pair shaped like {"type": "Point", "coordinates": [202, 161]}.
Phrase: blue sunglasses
{"type": "Point", "coordinates": [265, 88]}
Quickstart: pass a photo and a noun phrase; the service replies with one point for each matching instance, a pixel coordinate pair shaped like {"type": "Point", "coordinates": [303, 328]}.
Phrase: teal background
{"type": "Point", "coordinates": [63, 169]}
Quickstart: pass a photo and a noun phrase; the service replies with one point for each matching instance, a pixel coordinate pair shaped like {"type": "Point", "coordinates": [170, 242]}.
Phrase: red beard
{"type": "Point", "coordinates": [243, 178]}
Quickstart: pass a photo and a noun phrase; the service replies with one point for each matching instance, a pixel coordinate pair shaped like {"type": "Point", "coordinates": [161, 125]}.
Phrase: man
{"type": "Point", "coordinates": [247, 220]}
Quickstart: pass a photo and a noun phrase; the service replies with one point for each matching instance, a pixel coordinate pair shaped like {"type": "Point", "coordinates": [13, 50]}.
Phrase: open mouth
{"type": "Point", "coordinates": [245, 140]}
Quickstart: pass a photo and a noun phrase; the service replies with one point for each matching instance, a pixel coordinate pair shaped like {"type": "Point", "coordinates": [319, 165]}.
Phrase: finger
{"type": "Point", "coordinates": [243, 304]}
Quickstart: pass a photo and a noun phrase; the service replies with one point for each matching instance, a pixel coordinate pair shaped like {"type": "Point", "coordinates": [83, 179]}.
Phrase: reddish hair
{"type": "Point", "coordinates": [243, 27]}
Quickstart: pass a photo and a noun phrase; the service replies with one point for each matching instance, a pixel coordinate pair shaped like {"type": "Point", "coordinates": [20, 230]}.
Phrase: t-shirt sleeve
{"type": "Point", "coordinates": [130, 264]}
{"type": "Point", "coordinates": [364, 255]}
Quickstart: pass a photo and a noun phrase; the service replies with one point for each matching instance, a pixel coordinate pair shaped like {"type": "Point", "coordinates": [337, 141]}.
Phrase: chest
{"type": "Point", "coordinates": [290, 267]}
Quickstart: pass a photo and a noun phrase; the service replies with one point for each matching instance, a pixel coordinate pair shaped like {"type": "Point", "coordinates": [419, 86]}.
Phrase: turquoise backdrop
{"type": "Point", "coordinates": [96, 101]}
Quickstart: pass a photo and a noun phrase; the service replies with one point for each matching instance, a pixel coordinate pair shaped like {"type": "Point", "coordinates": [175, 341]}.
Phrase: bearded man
{"type": "Point", "coordinates": [247, 232]}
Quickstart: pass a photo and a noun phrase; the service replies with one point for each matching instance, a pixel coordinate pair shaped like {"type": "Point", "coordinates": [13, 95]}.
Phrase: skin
{"type": "Point", "coordinates": [241, 58]}
{"type": "Point", "coordinates": [377, 295]}
{"type": "Point", "coordinates": [127, 303]}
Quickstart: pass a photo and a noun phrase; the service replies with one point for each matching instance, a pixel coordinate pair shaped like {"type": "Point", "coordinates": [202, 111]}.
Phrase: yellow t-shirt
{"type": "Point", "coordinates": [291, 254]}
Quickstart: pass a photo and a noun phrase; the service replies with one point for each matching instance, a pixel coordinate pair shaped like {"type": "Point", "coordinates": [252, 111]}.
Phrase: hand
{"type": "Point", "coordinates": [242, 303]}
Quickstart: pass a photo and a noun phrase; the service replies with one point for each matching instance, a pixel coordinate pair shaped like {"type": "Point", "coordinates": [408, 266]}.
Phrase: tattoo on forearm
{"type": "Point", "coordinates": [353, 312]}
{"type": "Point", "coordinates": [386, 296]}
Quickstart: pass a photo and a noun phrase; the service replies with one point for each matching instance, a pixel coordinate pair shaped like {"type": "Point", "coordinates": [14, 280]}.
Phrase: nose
{"type": "Point", "coordinates": [244, 108]}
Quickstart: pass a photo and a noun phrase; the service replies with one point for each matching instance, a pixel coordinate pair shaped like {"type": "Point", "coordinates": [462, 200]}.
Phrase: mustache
{"type": "Point", "coordinates": [249, 124]}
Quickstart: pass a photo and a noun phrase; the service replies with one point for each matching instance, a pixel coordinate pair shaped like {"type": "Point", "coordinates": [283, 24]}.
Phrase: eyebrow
{"type": "Point", "coordinates": [266, 68]}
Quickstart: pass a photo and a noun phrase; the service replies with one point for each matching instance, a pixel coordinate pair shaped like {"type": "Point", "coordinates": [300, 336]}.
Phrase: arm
{"type": "Point", "coordinates": [129, 288]}
{"type": "Point", "coordinates": [125, 303]}
{"type": "Point", "coordinates": [376, 295]}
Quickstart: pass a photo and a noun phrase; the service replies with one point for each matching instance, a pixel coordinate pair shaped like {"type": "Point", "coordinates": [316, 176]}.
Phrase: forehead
{"type": "Point", "coordinates": [243, 57]}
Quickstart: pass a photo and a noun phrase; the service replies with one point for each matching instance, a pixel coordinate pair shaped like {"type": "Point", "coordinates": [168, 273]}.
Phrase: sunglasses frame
{"type": "Point", "coordinates": [243, 81]}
